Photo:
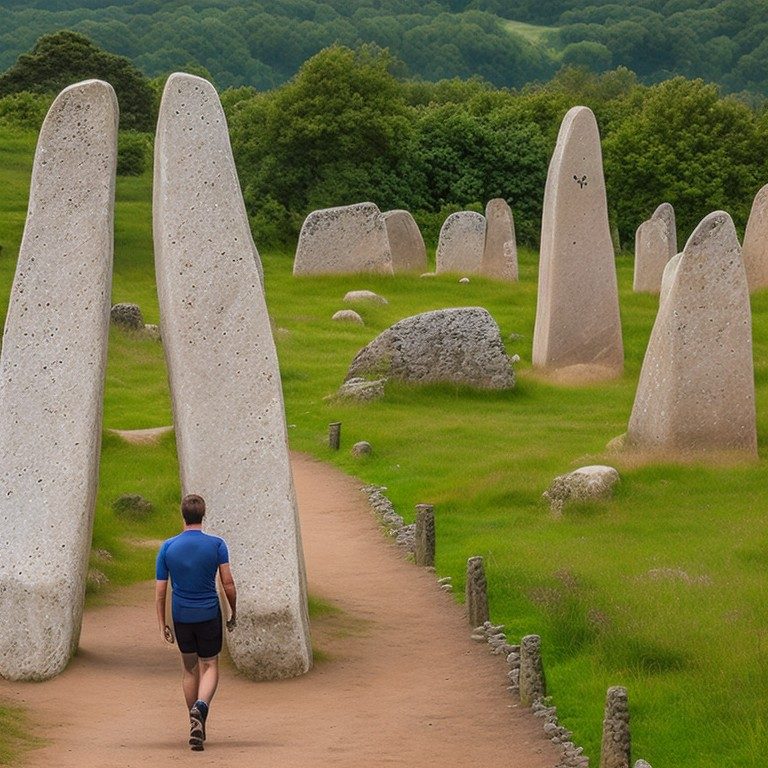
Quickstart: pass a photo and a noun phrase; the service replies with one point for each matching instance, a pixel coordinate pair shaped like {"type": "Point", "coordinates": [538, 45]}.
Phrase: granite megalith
{"type": "Point", "coordinates": [577, 312]}
{"type": "Point", "coordinates": [665, 213]}
{"type": "Point", "coordinates": [755, 249]}
{"type": "Point", "coordinates": [500, 247]}
{"type": "Point", "coordinates": [52, 371]}
{"type": "Point", "coordinates": [406, 245]}
{"type": "Point", "coordinates": [461, 243]}
{"type": "Point", "coordinates": [344, 240]}
{"type": "Point", "coordinates": [460, 345]}
{"type": "Point", "coordinates": [651, 256]}
{"type": "Point", "coordinates": [696, 390]}
{"type": "Point", "coordinates": [225, 384]}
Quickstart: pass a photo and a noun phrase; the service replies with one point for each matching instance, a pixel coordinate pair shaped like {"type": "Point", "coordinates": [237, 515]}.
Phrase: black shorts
{"type": "Point", "coordinates": [200, 637]}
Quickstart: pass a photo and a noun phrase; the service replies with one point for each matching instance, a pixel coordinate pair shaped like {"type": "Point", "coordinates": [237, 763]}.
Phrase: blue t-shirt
{"type": "Point", "coordinates": [192, 558]}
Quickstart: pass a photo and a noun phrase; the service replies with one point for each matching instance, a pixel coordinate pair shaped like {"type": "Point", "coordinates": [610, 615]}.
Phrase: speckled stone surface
{"type": "Point", "coordinates": [577, 313]}
{"type": "Point", "coordinates": [52, 381]}
{"type": "Point", "coordinates": [409, 254]}
{"type": "Point", "coordinates": [460, 345]}
{"type": "Point", "coordinates": [461, 243]}
{"type": "Point", "coordinates": [344, 240]}
{"type": "Point", "coordinates": [696, 389]}
{"type": "Point", "coordinates": [665, 213]}
{"type": "Point", "coordinates": [225, 383]}
{"type": "Point", "coordinates": [755, 250]}
{"type": "Point", "coordinates": [500, 249]}
{"type": "Point", "coordinates": [651, 256]}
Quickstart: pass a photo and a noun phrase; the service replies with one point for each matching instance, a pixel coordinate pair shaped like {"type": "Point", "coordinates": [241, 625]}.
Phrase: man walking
{"type": "Point", "coordinates": [192, 559]}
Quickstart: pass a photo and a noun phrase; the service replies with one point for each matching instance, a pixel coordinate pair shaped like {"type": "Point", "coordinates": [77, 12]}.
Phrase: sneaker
{"type": "Point", "coordinates": [196, 730]}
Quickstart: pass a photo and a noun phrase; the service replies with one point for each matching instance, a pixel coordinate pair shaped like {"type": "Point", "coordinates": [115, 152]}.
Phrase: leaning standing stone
{"type": "Point", "coordinates": [409, 254]}
{"type": "Point", "coordinates": [616, 743]}
{"type": "Point", "coordinates": [577, 313]}
{"type": "Point", "coordinates": [476, 592]}
{"type": "Point", "coordinates": [51, 383]}
{"type": "Point", "coordinates": [461, 243]}
{"type": "Point", "coordinates": [460, 345]}
{"type": "Point", "coordinates": [755, 250]}
{"type": "Point", "coordinates": [225, 383]}
{"type": "Point", "coordinates": [500, 248]}
{"type": "Point", "coordinates": [696, 389]}
{"type": "Point", "coordinates": [342, 241]}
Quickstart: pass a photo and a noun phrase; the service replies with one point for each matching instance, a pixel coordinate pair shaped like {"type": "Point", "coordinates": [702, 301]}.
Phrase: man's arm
{"type": "Point", "coordinates": [161, 590]}
{"type": "Point", "coordinates": [230, 591]}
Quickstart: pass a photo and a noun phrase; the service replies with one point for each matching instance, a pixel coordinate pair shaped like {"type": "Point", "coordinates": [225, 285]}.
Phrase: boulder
{"type": "Point", "coordinates": [344, 240]}
{"type": "Point", "coordinates": [583, 484]}
{"type": "Point", "coordinates": [362, 448]}
{"type": "Point", "coordinates": [348, 316]}
{"type": "Point", "coordinates": [352, 296]}
{"type": "Point", "coordinates": [360, 389]}
{"type": "Point", "coordinates": [461, 243]}
{"type": "Point", "coordinates": [461, 345]}
{"type": "Point", "coordinates": [127, 316]}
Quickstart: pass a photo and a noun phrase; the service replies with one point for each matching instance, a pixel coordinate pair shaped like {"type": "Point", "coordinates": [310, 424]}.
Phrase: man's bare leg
{"type": "Point", "coordinates": [190, 677]}
{"type": "Point", "coordinates": [209, 679]}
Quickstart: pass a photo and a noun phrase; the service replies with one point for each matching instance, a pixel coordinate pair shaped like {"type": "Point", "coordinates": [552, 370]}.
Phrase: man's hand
{"type": "Point", "coordinates": [167, 635]}
{"type": "Point", "coordinates": [231, 624]}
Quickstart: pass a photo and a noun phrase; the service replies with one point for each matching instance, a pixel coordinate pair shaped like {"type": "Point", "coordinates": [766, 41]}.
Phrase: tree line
{"type": "Point", "coordinates": [349, 127]}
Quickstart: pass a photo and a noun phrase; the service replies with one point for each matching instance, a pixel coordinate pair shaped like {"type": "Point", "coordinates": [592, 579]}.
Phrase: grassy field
{"type": "Point", "coordinates": [661, 589]}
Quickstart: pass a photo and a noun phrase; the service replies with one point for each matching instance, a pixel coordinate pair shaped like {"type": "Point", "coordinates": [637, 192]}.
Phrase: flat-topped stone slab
{"type": "Point", "coordinates": [406, 244]}
{"type": "Point", "coordinates": [461, 243]}
{"type": "Point", "coordinates": [577, 312]}
{"type": "Point", "coordinates": [500, 249]}
{"type": "Point", "coordinates": [343, 240]}
{"type": "Point", "coordinates": [460, 345]}
{"type": "Point", "coordinates": [755, 250]}
{"type": "Point", "coordinates": [52, 371]}
{"type": "Point", "coordinates": [225, 383]}
{"type": "Point", "coordinates": [696, 389]}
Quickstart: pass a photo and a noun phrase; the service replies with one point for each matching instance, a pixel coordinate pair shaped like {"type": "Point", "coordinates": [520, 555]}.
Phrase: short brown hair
{"type": "Point", "coordinates": [193, 509]}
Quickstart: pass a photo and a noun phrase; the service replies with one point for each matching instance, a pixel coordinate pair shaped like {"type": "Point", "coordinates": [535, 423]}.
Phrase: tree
{"type": "Point", "coordinates": [66, 57]}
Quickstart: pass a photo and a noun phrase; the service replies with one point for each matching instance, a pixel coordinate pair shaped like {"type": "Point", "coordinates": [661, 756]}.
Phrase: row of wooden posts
{"type": "Point", "coordinates": [615, 749]}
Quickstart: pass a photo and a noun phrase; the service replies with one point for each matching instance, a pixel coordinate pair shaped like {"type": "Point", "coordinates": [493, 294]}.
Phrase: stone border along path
{"type": "Point", "coordinates": [398, 681]}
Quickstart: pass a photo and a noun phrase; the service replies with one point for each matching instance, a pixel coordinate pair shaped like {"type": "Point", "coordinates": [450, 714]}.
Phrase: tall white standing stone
{"type": "Point", "coordinates": [461, 242]}
{"type": "Point", "coordinates": [500, 248]}
{"type": "Point", "coordinates": [225, 383]}
{"type": "Point", "coordinates": [696, 388]}
{"type": "Point", "coordinates": [755, 250]}
{"type": "Point", "coordinates": [409, 254]}
{"type": "Point", "coordinates": [52, 381]}
{"type": "Point", "coordinates": [345, 240]}
{"type": "Point", "coordinates": [665, 213]}
{"type": "Point", "coordinates": [577, 314]}
{"type": "Point", "coordinates": [651, 256]}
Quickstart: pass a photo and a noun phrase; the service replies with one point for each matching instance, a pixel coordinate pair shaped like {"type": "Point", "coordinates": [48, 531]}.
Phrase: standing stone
{"type": "Point", "coordinates": [616, 743]}
{"type": "Point", "coordinates": [533, 686]}
{"type": "Point", "coordinates": [577, 314]}
{"type": "Point", "coordinates": [225, 383]}
{"type": "Point", "coordinates": [696, 388]}
{"type": "Point", "coordinates": [755, 250]}
{"type": "Point", "coordinates": [334, 435]}
{"type": "Point", "coordinates": [651, 256]}
{"type": "Point", "coordinates": [461, 243]}
{"type": "Point", "coordinates": [52, 370]}
{"type": "Point", "coordinates": [476, 592]}
{"type": "Point", "coordinates": [424, 554]}
{"type": "Point", "coordinates": [344, 240]}
{"type": "Point", "coordinates": [665, 213]}
{"type": "Point", "coordinates": [500, 249]}
{"type": "Point", "coordinates": [668, 276]}
{"type": "Point", "coordinates": [409, 254]}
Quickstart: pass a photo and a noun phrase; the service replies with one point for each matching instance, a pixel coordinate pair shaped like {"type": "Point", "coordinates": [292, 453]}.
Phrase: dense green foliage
{"type": "Point", "coordinates": [262, 44]}
{"type": "Point", "coordinates": [345, 129]}
{"type": "Point", "coordinates": [65, 57]}
{"type": "Point", "coordinates": [661, 589]}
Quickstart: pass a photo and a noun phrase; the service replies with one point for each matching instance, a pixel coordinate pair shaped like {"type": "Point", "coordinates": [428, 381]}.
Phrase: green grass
{"type": "Point", "coordinates": [661, 589]}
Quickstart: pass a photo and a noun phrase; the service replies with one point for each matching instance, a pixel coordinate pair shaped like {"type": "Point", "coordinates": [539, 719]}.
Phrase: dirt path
{"type": "Point", "coordinates": [399, 681]}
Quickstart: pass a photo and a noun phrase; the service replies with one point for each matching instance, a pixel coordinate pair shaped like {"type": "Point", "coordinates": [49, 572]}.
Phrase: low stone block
{"type": "Point", "coordinates": [344, 240]}
{"type": "Point", "coordinates": [460, 345]}
{"type": "Point", "coordinates": [409, 254]}
{"type": "Point", "coordinates": [583, 484]}
{"type": "Point", "coordinates": [461, 243]}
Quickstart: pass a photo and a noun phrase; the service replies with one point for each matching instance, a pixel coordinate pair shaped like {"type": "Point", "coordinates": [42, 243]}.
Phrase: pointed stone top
{"type": "Point", "coordinates": [716, 227]}
{"type": "Point", "coordinates": [664, 211]}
